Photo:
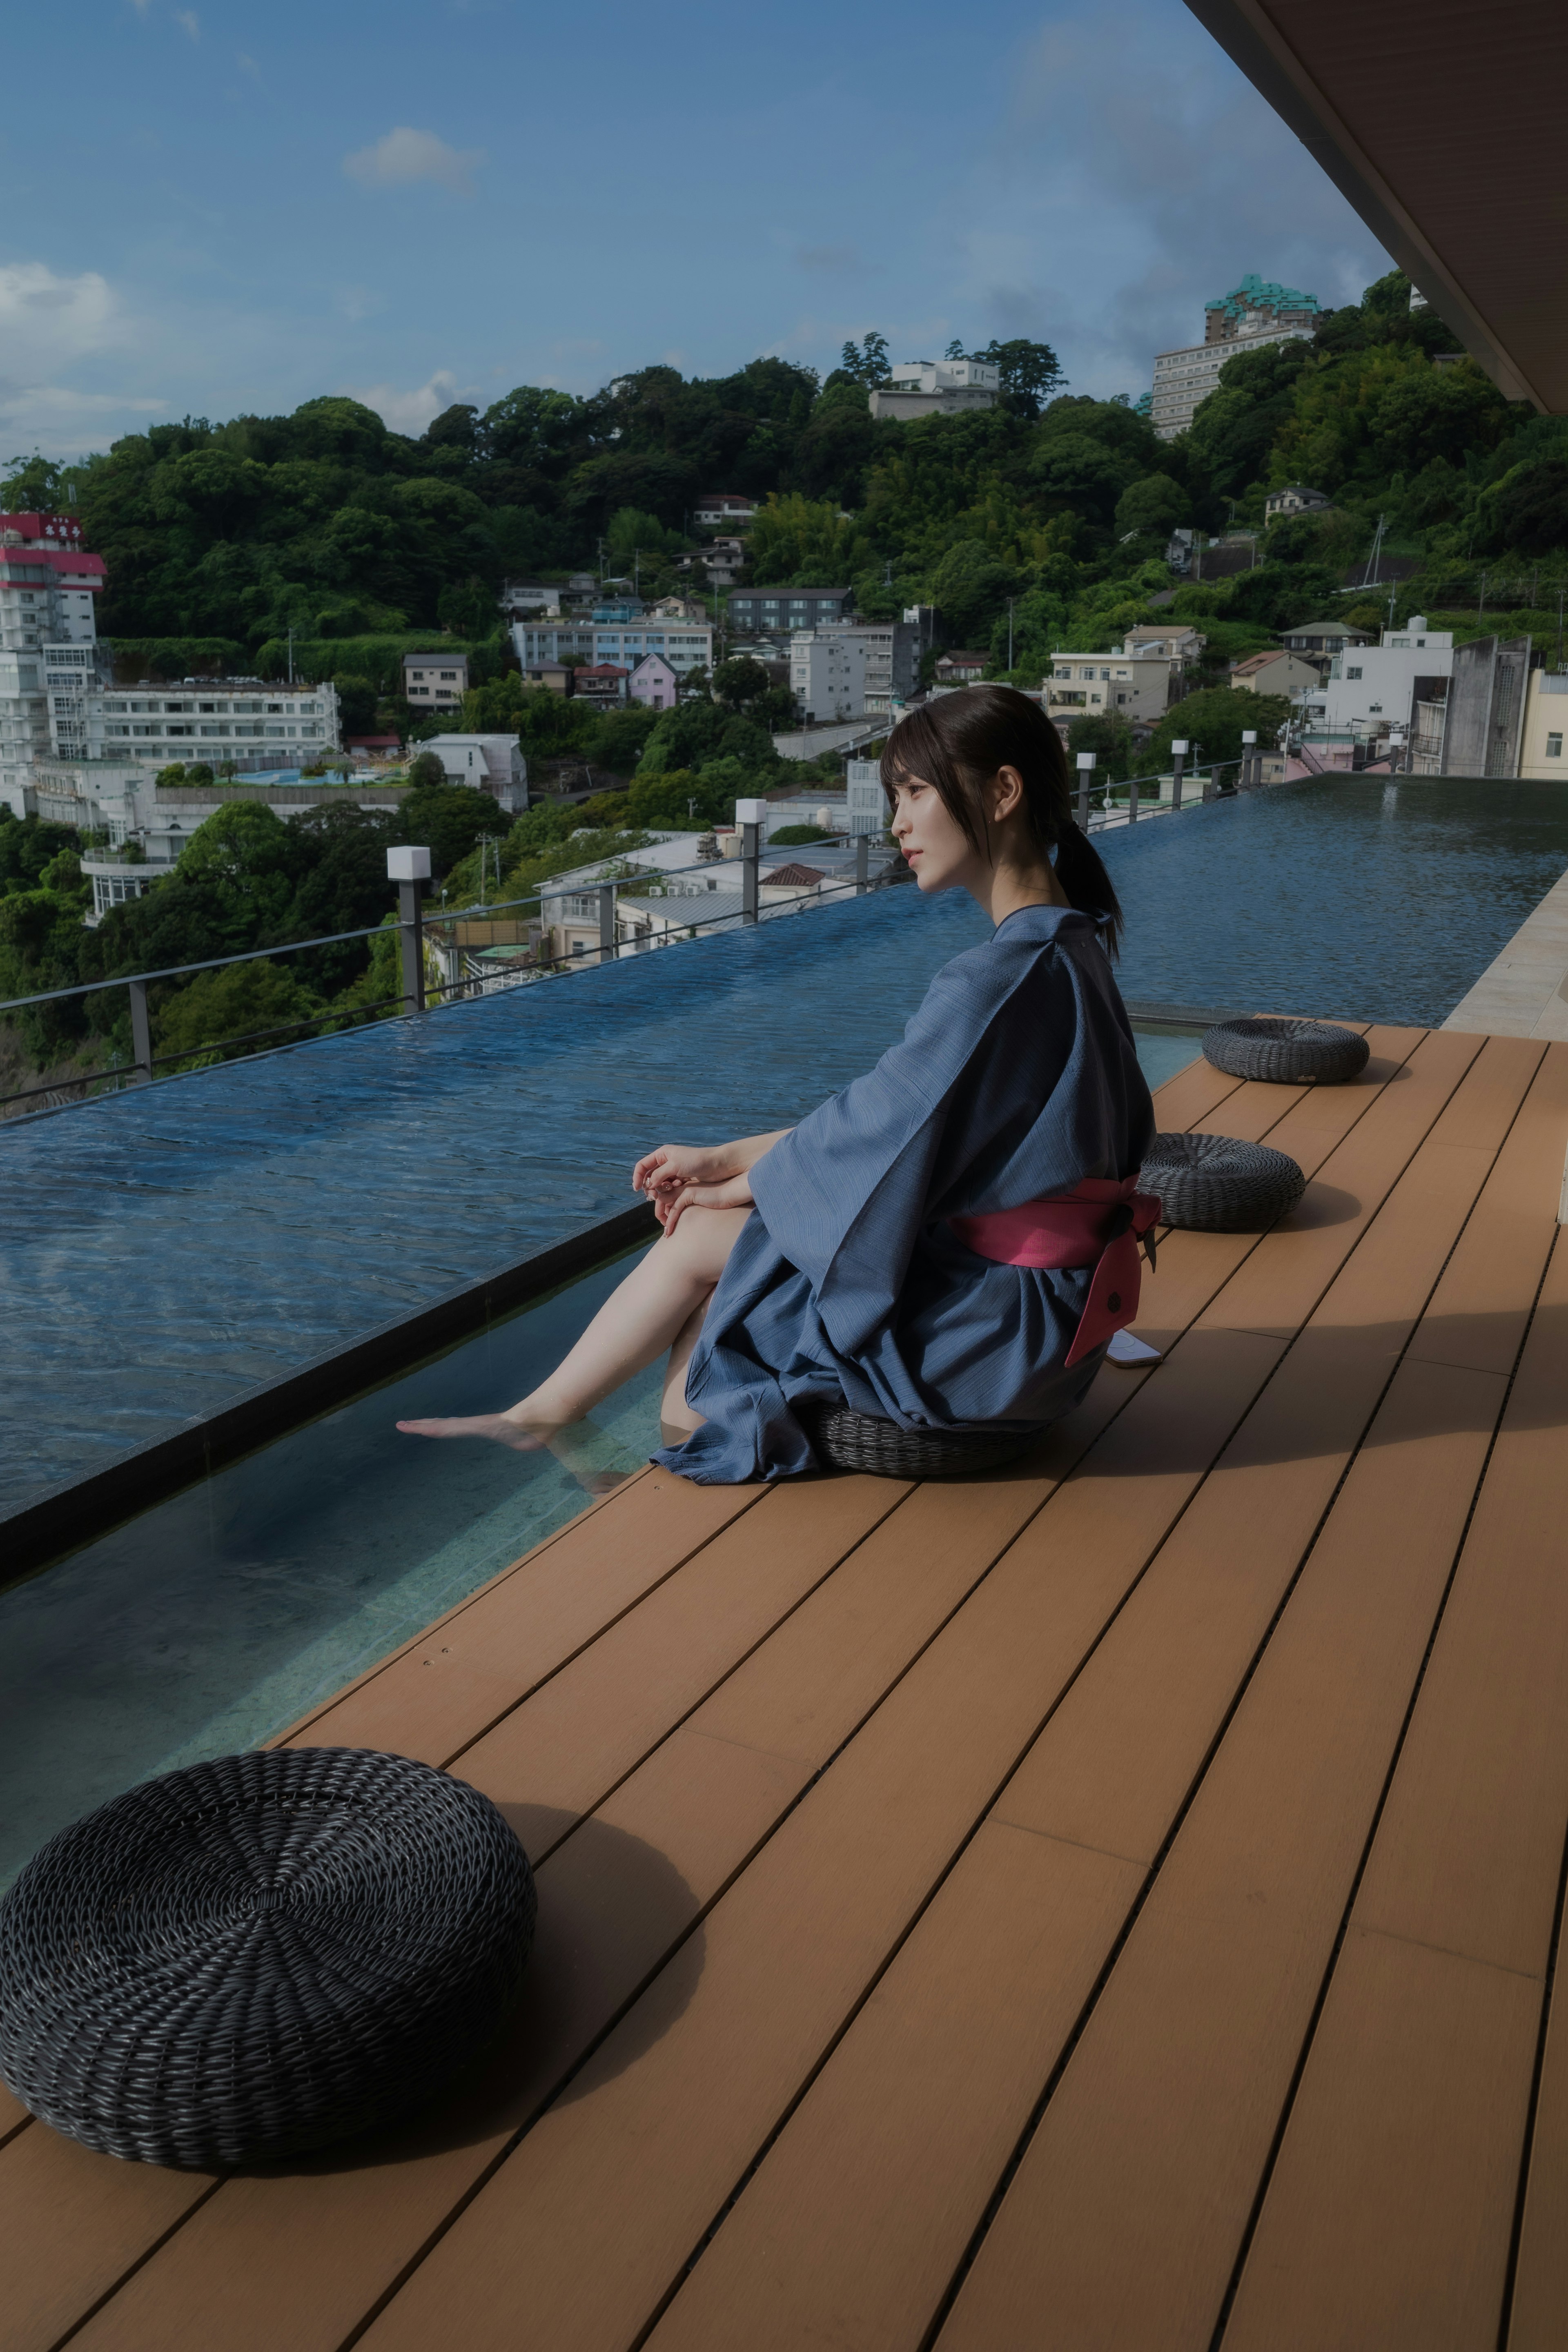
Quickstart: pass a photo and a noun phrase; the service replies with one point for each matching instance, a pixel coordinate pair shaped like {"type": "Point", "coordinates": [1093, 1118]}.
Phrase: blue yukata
{"type": "Point", "coordinates": [1017, 1078]}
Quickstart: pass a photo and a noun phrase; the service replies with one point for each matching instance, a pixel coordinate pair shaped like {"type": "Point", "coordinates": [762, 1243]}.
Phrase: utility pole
{"type": "Point", "coordinates": [291, 656]}
{"type": "Point", "coordinates": [1560, 628]}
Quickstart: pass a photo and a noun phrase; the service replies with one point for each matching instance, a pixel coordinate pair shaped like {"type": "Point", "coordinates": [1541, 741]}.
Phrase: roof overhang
{"type": "Point", "coordinates": [1441, 125]}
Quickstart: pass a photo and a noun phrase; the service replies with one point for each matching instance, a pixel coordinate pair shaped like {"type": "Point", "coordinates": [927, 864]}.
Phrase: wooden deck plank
{"type": "Point", "coordinates": [1540, 2278]}
{"type": "Point", "coordinates": [64, 2244]}
{"type": "Point", "coordinates": [1097, 1782]}
{"type": "Point", "coordinates": [1276, 1291]}
{"type": "Point", "coordinates": [1389, 2214]}
{"type": "Point", "coordinates": [1191, 1096]}
{"type": "Point", "coordinates": [1420, 2069]}
{"type": "Point", "coordinates": [850, 2231]}
{"type": "Point", "coordinates": [1488, 1286]}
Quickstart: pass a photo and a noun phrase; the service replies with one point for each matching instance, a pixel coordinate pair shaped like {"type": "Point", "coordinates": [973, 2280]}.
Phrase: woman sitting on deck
{"type": "Point", "coordinates": [923, 1246]}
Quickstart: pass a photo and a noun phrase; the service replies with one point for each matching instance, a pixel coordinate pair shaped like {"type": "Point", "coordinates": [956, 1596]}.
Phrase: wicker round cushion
{"type": "Point", "coordinates": [848, 1440]}
{"type": "Point", "coordinates": [1211, 1184]}
{"type": "Point", "coordinates": [260, 1955]}
{"type": "Point", "coordinates": [1288, 1052]}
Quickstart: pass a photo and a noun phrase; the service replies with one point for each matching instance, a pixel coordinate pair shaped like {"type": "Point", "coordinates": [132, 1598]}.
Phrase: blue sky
{"type": "Point", "coordinates": [222, 208]}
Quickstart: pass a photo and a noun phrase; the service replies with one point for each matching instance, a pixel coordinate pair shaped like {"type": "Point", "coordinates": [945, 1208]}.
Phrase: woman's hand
{"type": "Point", "coordinates": [669, 1207]}
{"type": "Point", "coordinates": [665, 1171]}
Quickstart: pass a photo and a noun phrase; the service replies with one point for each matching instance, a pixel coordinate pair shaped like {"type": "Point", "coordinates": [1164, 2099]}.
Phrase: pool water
{"type": "Point", "coordinates": [1369, 898]}
{"type": "Point", "coordinates": [218, 1618]}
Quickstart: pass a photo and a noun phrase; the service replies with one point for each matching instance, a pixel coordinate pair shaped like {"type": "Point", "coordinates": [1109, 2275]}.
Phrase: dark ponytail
{"type": "Point", "coordinates": [957, 742]}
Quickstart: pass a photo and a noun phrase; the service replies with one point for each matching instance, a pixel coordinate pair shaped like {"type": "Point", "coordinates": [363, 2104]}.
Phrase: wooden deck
{"type": "Point", "coordinates": [1109, 1905]}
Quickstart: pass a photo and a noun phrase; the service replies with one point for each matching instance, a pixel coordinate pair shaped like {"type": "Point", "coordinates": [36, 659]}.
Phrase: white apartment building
{"type": "Point", "coordinates": [48, 584]}
{"type": "Point", "coordinates": [1184, 377]}
{"type": "Point", "coordinates": [490, 764]}
{"type": "Point", "coordinates": [1371, 688]}
{"type": "Point", "coordinates": [1545, 724]}
{"type": "Point", "coordinates": [253, 724]}
{"type": "Point", "coordinates": [828, 672]}
{"type": "Point", "coordinates": [936, 388]}
{"type": "Point", "coordinates": [1134, 687]}
{"type": "Point", "coordinates": [685, 644]}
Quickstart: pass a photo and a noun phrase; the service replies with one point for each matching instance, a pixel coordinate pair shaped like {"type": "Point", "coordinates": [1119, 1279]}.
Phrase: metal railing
{"type": "Point", "coordinates": [418, 926]}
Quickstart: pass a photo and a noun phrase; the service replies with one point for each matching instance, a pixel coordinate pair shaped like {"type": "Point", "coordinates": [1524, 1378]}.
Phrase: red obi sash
{"type": "Point", "coordinates": [1098, 1223]}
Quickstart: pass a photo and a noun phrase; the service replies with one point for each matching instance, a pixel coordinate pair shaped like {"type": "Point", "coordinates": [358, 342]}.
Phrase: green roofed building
{"type": "Point", "coordinates": [1256, 312]}
{"type": "Point", "coordinates": [1255, 306]}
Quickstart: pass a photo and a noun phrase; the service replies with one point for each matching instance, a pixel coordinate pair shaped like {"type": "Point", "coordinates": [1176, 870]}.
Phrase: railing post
{"type": "Point", "coordinates": [1248, 776]}
{"type": "Point", "coordinates": [606, 923]}
{"type": "Point", "coordinates": [751, 815]}
{"type": "Point", "coordinates": [141, 1031]}
{"type": "Point", "coordinates": [1178, 756]}
{"type": "Point", "coordinates": [410, 869]}
{"type": "Point", "coordinates": [1132, 800]}
{"type": "Point", "coordinates": [862, 865]}
{"type": "Point", "coordinates": [1085, 777]}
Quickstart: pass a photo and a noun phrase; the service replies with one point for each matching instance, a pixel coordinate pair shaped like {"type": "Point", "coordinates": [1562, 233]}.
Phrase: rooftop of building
{"type": "Point", "coordinates": [1255, 293]}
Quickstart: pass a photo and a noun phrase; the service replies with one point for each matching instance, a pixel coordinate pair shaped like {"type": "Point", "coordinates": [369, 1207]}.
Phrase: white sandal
{"type": "Point", "coordinates": [1130, 1353]}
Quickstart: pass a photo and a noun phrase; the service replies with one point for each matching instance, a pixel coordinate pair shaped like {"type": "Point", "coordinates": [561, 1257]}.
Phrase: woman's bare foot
{"type": "Point", "coordinates": [500, 1428]}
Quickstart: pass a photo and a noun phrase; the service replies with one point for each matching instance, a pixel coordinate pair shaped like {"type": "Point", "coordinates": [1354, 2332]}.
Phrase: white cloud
{"type": "Point", "coordinates": [408, 412]}
{"type": "Point", "coordinates": [191, 21]}
{"type": "Point", "coordinates": [47, 322]}
{"type": "Point", "coordinates": [407, 156]}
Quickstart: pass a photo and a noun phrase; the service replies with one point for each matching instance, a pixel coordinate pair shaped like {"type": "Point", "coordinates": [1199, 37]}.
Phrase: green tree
{"type": "Point", "coordinates": [447, 819]}
{"type": "Point", "coordinates": [1215, 718]}
{"type": "Point", "coordinates": [868, 364]}
{"type": "Point", "coordinates": [215, 1016]}
{"type": "Point", "coordinates": [1029, 373]}
{"type": "Point", "coordinates": [1153, 503]}
{"type": "Point", "coordinates": [426, 769]}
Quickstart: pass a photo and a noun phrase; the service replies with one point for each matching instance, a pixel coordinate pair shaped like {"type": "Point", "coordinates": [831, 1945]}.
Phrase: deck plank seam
{"type": "Point", "coordinates": [1308, 2038]}
{"type": "Point", "coordinates": [680, 1722]}
{"type": "Point", "coordinates": [1526, 2152]}
{"type": "Point", "coordinates": [143, 2259]}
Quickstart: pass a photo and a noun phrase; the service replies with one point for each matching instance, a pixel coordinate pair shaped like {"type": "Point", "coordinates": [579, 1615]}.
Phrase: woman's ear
{"type": "Point", "coordinates": [1007, 794]}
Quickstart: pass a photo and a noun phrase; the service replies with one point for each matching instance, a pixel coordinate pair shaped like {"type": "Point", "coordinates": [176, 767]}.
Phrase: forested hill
{"type": "Point", "coordinates": [327, 522]}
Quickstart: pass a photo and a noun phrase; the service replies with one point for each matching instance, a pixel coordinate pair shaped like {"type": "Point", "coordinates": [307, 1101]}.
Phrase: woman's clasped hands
{"type": "Point", "coordinates": [680, 1176]}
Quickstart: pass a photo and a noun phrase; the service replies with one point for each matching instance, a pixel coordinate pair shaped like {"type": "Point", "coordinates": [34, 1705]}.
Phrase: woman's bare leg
{"type": "Point", "coordinates": [677, 1419]}
{"type": "Point", "coordinates": [636, 1323]}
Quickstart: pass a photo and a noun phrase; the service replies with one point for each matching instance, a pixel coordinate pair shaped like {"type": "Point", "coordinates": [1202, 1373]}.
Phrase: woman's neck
{"type": "Point", "coordinates": [1002, 890]}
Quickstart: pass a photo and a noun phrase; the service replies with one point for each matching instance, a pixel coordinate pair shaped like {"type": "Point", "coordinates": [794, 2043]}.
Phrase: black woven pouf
{"type": "Point", "coordinates": [260, 1955]}
{"type": "Point", "coordinates": [848, 1440]}
{"type": "Point", "coordinates": [1287, 1052]}
{"type": "Point", "coordinates": [1211, 1184]}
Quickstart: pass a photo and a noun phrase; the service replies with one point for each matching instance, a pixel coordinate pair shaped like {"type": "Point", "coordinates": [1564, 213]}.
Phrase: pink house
{"type": "Point", "coordinates": [653, 682]}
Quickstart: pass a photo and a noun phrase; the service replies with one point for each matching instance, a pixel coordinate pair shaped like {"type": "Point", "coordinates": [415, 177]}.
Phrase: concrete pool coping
{"type": "Point", "coordinates": [1524, 993]}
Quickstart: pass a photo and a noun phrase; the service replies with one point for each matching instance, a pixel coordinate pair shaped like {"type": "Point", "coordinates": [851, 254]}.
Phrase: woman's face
{"type": "Point", "coordinates": [933, 844]}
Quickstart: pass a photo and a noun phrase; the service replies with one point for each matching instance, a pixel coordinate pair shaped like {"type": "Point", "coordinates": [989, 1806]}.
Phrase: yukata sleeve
{"type": "Point", "coordinates": [843, 1195]}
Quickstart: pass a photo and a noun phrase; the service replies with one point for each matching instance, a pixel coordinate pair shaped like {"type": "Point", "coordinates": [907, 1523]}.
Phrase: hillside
{"type": "Point", "coordinates": [358, 538]}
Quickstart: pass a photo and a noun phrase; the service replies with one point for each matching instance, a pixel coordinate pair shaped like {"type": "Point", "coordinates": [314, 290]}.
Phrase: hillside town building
{"type": "Point", "coordinates": [434, 681]}
{"type": "Point", "coordinates": [756, 612]}
{"type": "Point", "coordinates": [936, 388]}
{"type": "Point", "coordinates": [686, 646]}
{"type": "Point", "coordinates": [1254, 314]}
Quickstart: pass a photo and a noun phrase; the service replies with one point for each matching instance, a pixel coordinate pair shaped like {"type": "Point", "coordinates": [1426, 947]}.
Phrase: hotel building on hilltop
{"type": "Point", "coordinates": [61, 710]}
{"type": "Point", "coordinates": [1254, 314]}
